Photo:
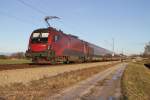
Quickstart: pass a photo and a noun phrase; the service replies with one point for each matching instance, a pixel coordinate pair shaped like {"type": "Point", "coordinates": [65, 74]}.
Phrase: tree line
{"type": "Point", "coordinates": [17, 55]}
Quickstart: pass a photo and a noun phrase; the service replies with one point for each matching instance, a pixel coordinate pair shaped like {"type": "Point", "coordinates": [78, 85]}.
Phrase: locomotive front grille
{"type": "Point", "coordinates": [47, 54]}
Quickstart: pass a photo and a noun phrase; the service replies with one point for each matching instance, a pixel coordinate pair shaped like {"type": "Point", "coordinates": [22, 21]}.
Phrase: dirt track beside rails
{"type": "Point", "coordinates": [105, 85]}
{"type": "Point", "coordinates": [29, 74]}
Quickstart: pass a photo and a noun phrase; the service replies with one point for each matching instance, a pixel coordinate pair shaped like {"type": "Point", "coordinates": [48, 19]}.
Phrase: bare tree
{"type": "Point", "coordinates": [19, 55]}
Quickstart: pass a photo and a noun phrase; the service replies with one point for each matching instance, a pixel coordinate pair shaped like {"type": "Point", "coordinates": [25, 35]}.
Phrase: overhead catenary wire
{"type": "Point", "coordinates": [32, 7]}
{"type": "Point", "coordinates": [15, 17]}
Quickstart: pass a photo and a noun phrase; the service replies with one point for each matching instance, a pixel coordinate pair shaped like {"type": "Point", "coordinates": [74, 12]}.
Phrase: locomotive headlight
{"type": "Point", "coordinates": [29, 48]}
{"type": "Point", "coordinates": [48, 47]}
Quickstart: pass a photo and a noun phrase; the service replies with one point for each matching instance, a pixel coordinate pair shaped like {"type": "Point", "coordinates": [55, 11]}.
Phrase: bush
{"type": "Point", "coordinates": [18, 55]}
{"type": "Point", "coordinates": [3, 57]}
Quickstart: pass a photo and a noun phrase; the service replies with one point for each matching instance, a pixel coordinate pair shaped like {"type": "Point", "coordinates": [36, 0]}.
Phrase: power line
{"type": "Point", "coordinates": [32, 7]}
{"type": "Point", "coordinates": [14, 17]}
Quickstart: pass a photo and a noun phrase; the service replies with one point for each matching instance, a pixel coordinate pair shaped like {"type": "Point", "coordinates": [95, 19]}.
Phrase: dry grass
{"type": "Point", "coordinates": [48, 85]}
{"type": "Point", "coordinates": [14, 61]}
{"type": "Point", "coordinates": [35, 73]}
{"type": "Point", "coordinates": [136, 82]}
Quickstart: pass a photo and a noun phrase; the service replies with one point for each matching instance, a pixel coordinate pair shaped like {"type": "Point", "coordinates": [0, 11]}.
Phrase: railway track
{"type": "Point", "coordinates": [31, 65]}
{"type": "Point", "coordinates": [27, 65]}
{"type": "Point", "coordinates": [17, 66]}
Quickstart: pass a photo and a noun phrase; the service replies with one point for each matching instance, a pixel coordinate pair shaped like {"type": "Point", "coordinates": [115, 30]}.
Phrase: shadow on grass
{"type": "Point", "coordinates": [147, 65]}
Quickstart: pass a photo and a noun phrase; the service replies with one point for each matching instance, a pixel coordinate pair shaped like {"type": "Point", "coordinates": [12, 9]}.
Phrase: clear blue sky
{"type": "Point", "coordinates": [96, 21]}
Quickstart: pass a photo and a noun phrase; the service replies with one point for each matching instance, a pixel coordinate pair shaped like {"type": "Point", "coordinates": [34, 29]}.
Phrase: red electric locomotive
{"type": "Point", "coordinates": [52, 46]}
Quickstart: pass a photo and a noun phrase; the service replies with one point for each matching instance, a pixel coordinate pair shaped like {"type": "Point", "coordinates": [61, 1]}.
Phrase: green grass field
{"type": "Point", "coordinates": [136, 82]}
{"type": "Point", "coordinates": [14, 61]}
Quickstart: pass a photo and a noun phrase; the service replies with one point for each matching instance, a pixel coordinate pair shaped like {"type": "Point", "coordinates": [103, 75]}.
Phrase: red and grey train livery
{"type": "Point", "coordinates": [51, 46]}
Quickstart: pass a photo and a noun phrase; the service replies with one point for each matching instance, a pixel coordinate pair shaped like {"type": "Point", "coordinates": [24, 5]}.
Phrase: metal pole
{"type": "Point", "coordinates": [113, 47]}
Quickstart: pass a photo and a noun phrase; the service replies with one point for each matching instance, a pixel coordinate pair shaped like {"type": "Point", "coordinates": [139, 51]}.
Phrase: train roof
{"type": "Point", "coordinates": [41, 30]}
{"type": "Point", "coordinates": [47, 29]}
{"type": "Point", "coordinates": [51, 28]}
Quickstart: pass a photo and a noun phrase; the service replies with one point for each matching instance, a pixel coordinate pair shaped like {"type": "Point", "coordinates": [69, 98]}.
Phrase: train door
{"type": "Point", "coordinates": [91, 53]}
{"type": "Point", "coordinates": [86, 50]}
{"type": "Point", "coordinates": [56, 45]}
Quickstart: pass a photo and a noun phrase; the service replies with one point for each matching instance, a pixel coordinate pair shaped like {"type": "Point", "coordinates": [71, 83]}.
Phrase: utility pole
{"type": "Point", "coordinates": [122, 51]}
{"type": "Point", "coordinates": [122, 56]}
{"type": "Point", "coordinates": [113, 47]}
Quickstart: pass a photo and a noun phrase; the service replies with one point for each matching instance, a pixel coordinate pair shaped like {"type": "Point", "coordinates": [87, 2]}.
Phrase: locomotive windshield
{"type": "Point", "coordinates": [39, 37]}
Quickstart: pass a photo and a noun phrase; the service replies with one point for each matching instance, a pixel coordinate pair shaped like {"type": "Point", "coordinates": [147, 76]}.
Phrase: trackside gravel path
{"type": "Point", "coordinates": [95, 87]}
{"type": "Point", "coordinates": [26, 75]}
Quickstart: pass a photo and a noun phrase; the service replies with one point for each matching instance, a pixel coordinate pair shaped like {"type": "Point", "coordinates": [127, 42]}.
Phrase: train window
{"type": "Point", "coordinates": [44, 35]}
{"type": "Point", "coordinates": [39, 38]}
{"type": "Point", "coordinates": [56, 38]}
{"type": "Point", "coordinates": [35, 35]}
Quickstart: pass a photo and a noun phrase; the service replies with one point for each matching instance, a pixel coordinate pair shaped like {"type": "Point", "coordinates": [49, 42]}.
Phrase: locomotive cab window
{"type": "Point", "coordinates": [44, 35]}
{"type": "Point", "coordinates": [39, 38]}
{"type": "Point", "coordinates": [36, 35]}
